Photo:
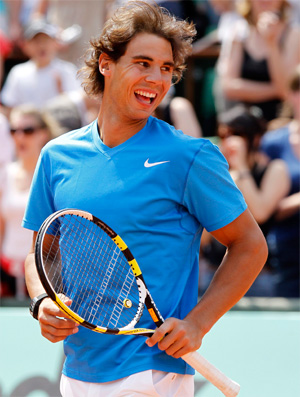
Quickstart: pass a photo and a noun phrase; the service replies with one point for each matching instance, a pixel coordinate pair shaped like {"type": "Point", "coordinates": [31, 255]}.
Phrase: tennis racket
{"type": "Point", "coordinates": [81, 258]}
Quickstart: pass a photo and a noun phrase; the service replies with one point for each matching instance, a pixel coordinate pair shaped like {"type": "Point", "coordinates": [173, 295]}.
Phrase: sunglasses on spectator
{"type": "Point", "coordinates": [26, 130]}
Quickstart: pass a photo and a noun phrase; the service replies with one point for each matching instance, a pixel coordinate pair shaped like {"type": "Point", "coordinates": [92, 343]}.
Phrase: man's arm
{"type": "Point", "coordinates": [55, 325]}
{"type": "Point", "coordinates": [246, 255]}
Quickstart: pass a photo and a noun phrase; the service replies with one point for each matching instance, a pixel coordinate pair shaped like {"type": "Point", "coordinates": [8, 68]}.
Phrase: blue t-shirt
{"type": "Point", "coordinates": [276, 144]}
{"type": "Point", "coordinates": [159, 210]}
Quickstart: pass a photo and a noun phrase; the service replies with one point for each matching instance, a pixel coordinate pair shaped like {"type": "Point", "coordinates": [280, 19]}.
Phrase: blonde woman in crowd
{"type": "Point", "coordinates": [254, 67]}
{"type": "Point", "coordinates": [30, 130]}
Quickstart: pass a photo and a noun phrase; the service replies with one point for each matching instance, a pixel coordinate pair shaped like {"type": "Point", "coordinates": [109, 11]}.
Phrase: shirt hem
{"type": "Point", "coordinates": [102, 378]}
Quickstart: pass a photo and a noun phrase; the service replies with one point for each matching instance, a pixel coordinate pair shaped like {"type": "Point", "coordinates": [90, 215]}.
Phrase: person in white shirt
{"type": "Point", "coordinates": [43, 76]}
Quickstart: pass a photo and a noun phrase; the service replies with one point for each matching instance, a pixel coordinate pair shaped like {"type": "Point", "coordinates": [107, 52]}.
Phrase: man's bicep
{"type": "Point", "coordinates": [238, 230]}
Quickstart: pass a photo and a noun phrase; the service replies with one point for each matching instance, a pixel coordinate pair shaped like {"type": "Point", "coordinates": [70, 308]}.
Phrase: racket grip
{"type": "Point", "coordinates": [226, 385]}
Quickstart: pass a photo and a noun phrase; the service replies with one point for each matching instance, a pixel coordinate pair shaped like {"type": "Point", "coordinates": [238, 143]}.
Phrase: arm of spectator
{"type": "Point", "coordinates": [15, 28]}
{"type": "Point", "coordinates": [184, 117]}
{"type": "Point", "coordinates": [205, 42]}
{"type": "Point", "coordinates": [288, 206]}
{"type": "Point", "coordinates": [282, 57]}
{"type": "Point", "coordinates": [263, 200]}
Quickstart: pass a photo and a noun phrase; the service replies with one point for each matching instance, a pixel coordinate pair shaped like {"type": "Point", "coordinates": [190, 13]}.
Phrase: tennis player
{"type": "Point", "coordinates": [158, 189]}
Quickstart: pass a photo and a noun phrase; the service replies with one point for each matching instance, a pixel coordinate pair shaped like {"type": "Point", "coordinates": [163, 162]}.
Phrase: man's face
{"type": "Point", "coordinates": [140, 79]}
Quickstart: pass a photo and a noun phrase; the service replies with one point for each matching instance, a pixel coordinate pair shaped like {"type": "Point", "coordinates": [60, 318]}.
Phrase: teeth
{"type": "Point", "coordinates": [146, 94]}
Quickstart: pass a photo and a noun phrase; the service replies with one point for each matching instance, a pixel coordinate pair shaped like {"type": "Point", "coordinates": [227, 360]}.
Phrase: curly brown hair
{"type": "Point", "coordinates": [133, 18]}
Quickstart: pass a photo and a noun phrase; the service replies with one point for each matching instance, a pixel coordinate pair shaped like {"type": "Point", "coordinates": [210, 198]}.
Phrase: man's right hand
{"type": "Point", "coordinates": [55, 325]}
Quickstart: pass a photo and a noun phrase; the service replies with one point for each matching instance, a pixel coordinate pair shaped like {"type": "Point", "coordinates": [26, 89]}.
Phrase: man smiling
{"type": "Point", "coordinates": [156, 187]}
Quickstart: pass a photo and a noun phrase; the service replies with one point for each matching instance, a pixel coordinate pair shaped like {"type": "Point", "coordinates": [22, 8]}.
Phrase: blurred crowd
{"type": "Point", "coordinates": [256, 101]}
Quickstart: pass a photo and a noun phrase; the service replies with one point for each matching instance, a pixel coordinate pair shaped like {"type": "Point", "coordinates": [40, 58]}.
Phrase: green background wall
{"type": "Point", "coordinates": [258, 349]}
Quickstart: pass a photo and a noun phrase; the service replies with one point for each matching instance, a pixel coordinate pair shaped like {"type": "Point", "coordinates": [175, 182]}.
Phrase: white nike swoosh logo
{"type": "Point", "coordinates": [148, 165]}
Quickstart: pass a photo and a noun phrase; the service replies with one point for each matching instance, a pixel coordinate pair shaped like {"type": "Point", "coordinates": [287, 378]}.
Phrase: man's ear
{"type": "Point", "coordinates": [104, 64]}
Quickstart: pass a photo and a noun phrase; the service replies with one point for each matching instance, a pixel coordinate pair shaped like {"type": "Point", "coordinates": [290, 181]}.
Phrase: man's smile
{"type": "Point", "coordinates": [144, 96]}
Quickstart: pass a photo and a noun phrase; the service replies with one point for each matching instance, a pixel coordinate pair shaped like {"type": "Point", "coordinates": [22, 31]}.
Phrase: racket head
{"type": "Point", "coordinates": [81, 258]}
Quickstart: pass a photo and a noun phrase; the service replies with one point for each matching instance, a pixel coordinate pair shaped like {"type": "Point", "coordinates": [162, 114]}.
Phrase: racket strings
{"type": "Point", "coordinates": [122, 297]}
{"type": "Point", "coordinates": [84, 264]}
{"type": "Point", "coordinates": [51, 257]}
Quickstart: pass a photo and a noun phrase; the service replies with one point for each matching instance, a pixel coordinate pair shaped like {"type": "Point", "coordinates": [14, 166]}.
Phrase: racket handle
{"type": "Point", "coordinates": [226, 385]}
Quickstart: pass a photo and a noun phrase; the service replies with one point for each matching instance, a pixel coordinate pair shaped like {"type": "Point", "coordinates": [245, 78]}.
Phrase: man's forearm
{"type": "Point", "coordinates": [240, 266]}
{"type": "Point", "coordinates": [33, 282]}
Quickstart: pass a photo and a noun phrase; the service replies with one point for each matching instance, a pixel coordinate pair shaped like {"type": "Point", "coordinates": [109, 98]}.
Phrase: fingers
{"type": "Point", "coordinates": [175, 344]}
{"type": "Point", "coordinates": [57, 329]}
{"type": "Point", "coordinates": [175, 337]}
{"type": "Point", "coordinates": [55, 325]}
{"type": "Point", "coordinates": [269, 26]}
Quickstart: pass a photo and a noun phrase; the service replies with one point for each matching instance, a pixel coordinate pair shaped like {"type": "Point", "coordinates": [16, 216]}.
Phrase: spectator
{"type": "Point", "coordinates": [77, 21]}
{"type": "Point", "coordinates": [66, 111]}
{"type": "Point", "coordinates": [30, 130]}
{"type": "Point", "coordinates": [284, 143]}
{"type": "Point", "coordinates": [263, 184]}
{"type": "Point", "coordinates": [44, 76]}
{"type": "Point", "coordinates": [253, 68]}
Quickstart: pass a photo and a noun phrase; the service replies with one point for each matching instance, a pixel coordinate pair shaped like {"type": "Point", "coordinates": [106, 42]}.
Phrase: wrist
{"type": "Point", "coordinates": [242, 174]}
{"type": "Point", "coordinates": [35, 304]}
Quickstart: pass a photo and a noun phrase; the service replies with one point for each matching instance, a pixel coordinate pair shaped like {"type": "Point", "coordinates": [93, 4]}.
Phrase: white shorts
{"type": "Point", "coordinates": [147, 383]}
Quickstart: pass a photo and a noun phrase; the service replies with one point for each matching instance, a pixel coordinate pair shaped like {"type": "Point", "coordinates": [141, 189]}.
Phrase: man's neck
{"type": "Point", "coordinates": [114, 132]}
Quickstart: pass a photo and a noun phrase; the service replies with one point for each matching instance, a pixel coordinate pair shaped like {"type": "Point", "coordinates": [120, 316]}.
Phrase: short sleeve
{"type": "Point", "coordinates": [270, 147]}
{"type": "Point", "coordinates": [210, 194]}
{"type": "Point", "coordinates": [10, 91]}
{"type": "Point", "coordinates": [40, 204]}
